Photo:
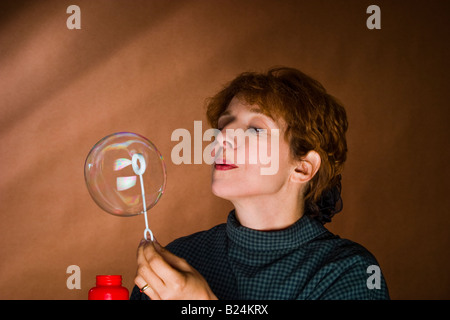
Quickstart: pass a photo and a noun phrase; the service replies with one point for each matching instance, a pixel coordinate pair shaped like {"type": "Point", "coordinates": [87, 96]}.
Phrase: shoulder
{"type": "Point", "coordinates": [349, 270]}
{"type": "Point", "coordinates": [347, 252]}
{"type": "Point", "coordinates": [333, 250]}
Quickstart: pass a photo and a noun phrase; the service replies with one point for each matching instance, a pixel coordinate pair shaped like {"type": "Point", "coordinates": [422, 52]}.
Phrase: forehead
{"type": "Point", "coordinates": [237, 105]}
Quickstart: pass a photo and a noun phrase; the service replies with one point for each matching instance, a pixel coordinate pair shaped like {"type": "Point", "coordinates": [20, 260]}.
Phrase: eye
{"type": "Point", "coordinates": [223, 121]}
{"type": "Point", "coordinates": [257, 130]}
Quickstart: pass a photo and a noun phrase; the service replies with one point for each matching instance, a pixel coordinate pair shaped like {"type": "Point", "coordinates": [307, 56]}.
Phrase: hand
{"type": "Point", "coordinates": [168, 277]}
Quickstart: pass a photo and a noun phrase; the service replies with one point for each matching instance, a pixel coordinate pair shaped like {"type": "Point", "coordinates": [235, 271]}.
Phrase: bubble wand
{"type": "Point", "coordinates": [140, 171]}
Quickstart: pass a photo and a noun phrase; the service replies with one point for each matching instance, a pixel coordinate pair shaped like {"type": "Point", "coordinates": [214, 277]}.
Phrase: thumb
{"type": "Point", "coordinates": [175, 261]}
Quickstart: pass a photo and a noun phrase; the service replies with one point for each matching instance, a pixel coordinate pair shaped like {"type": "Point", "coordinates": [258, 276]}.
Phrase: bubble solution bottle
{"type": "Point", "coordinates": [108, 288]}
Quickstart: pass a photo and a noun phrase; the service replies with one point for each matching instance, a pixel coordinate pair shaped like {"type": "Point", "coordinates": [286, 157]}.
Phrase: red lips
{"type": "Point", "coordinates": [224, 166]}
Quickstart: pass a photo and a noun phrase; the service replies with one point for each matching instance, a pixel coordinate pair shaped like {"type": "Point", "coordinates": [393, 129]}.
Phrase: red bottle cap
{"type": "Point", "coordinates": [109, 280]}
{"type": "Point", "coordinates": [108, 287]}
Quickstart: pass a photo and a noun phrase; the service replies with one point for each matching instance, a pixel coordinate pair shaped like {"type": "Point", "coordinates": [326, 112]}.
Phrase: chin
{"type": "Point", "coordinates": [222, 191]}
{"type": "Point", "coordinates": [227, 191]}
{"type": "Point", "coordinates": [234, 192]}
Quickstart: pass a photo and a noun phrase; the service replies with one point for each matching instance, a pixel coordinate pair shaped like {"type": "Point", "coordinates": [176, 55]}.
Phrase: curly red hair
{"type": "Point", "coordinates": [315, 121]}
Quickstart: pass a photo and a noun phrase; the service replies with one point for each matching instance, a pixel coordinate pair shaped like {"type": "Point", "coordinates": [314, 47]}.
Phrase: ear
{"type": "Point", "coordinates": [307, 167]}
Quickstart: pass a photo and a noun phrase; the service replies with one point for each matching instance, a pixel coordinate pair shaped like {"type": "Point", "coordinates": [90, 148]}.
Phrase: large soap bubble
{"type": "Point", "coordinates": [125, 175]}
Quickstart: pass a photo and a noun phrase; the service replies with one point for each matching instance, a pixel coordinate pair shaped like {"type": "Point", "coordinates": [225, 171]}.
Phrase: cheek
{"type": "Point", "coordinates": [253, 152]}
{"type": "Point", "coordinates": [246, 182]}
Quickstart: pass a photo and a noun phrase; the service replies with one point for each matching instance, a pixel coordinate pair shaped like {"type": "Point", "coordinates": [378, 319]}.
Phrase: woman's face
{"type": "Point", "coordinates": [251, 158]}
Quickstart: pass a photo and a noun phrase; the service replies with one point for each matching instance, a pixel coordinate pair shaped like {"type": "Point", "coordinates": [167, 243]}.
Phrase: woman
{"type": "Point", "coordinates": [274, 244]}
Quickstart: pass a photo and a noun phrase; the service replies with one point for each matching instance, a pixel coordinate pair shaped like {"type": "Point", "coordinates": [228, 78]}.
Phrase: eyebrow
{"type": "Point", "coordinates": [253, 110]}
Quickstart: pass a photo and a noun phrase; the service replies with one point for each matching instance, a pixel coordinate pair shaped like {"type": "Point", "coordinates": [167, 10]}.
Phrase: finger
{"type": "Point", "coordinates": [142, 243]}
{"type": "Point", "coordinates": [175, 261]}
{"type": "Point", "coordinates": [158, 264]}
{"type": "Point", "coordinates": [140, 252]}
{"type": "Point", "coordinates": [147, 273]}
{"type": "Point", "coordinates": [141, 283]}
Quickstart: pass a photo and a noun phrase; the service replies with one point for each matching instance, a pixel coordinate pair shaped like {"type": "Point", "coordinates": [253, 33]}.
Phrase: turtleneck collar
{"type": "Point", "coordinates": [302, 231]}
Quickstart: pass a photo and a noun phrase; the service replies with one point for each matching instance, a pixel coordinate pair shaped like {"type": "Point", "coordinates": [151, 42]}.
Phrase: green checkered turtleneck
{"type": "Point", "coordinates": [304, 261]}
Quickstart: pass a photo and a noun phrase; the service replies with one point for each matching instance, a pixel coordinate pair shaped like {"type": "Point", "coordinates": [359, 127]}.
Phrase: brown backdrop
{"type": "Point", "coordinates": [147, 67]}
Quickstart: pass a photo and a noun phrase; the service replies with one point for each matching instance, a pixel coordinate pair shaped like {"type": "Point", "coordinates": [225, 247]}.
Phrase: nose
{"type": "Point", "coordinates": [223, 142]}
{"type": "Point", "coordinates": [225, 139]}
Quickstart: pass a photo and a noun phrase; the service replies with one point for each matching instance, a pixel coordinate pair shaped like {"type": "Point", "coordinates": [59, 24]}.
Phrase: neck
{"type": "Point", "coordinates": [269, 212]}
